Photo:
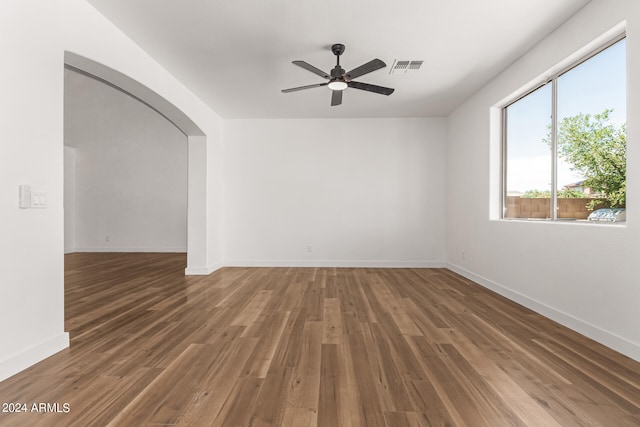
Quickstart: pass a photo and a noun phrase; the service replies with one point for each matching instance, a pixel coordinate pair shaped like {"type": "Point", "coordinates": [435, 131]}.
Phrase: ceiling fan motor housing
{"type": "Point", "coordinates": [337, 72]}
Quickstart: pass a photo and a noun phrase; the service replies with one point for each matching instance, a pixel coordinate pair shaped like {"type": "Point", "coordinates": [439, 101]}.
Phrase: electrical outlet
{"type": "Point", "coordinates": [309, 248]}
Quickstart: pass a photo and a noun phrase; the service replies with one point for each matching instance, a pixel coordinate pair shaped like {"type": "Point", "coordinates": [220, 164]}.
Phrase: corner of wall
{"type": "Point", "coordinates": [202, 271]}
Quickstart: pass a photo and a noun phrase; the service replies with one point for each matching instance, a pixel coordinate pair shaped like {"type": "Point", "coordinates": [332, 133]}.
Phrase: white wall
{"type": "Point", "coordinates": [357, 191]}
{"type": "Point", "coordinates": [583, 276]}
{"type": "Point", "coordinates": [31, 153]}
{"type": "Point", "coordinates": [130, 186]}
{"type": "Point", "coordinates": [34, 35]}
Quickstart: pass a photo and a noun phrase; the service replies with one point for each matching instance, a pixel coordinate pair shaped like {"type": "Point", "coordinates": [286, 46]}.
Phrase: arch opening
{"type": "Point", "coordinates": [196, 148]}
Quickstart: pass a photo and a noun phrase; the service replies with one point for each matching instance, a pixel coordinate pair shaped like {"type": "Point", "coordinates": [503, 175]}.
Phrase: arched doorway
{"type": "Point", "coordinates": [196, 147]}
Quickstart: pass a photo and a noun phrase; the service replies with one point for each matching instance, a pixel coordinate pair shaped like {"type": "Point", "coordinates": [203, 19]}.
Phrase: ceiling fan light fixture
{"type": "Point", "coordinates": [337, 85]}
{"type": "Point", "coordinates": [339, 80]}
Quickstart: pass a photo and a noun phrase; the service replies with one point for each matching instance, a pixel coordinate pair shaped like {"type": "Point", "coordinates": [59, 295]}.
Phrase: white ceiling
{"type": "Point", "coordinates": [236, 54]}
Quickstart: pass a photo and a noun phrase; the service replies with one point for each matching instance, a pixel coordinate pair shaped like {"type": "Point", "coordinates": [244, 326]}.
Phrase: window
{"type": "Point", "coordinates": [564, 143]}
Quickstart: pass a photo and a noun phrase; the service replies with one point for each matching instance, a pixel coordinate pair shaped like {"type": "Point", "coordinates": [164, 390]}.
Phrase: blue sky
{"type": "Point", "coordinates": [591, 87]}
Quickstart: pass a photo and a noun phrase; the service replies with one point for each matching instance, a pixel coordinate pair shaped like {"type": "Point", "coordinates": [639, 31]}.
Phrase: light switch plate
{"type": "Point", "coordinates": [24, 196]}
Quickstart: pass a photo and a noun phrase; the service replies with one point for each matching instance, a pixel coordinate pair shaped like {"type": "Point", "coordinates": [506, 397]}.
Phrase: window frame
{"type": "Point", "coordinates": [553, 80]}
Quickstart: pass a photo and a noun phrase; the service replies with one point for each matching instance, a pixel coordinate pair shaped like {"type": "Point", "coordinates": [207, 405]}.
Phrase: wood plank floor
{"type": "Point", "coordinates": [312, 347]}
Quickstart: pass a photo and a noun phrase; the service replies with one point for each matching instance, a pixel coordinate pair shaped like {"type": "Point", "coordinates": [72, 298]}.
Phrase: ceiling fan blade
{"type": "Point", "coordinates": [371, 88]}
{"type": "Point", "coordinates": [293, 89]}
{"type": "Point", "coordinates": [311, 68]}
{"type": "Point", "coordinates": [336, 97]}
{"type": "Point", "coordinates": [370, 66]}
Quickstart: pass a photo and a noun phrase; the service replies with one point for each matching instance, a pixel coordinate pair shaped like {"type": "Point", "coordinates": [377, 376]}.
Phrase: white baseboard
{"type": "Point", "coordinates": [334, 263]}
{"type": "Point", "coordinates": [596, 333]}
{"type": "Point", "coordinates": [33, 355]}
{"type": "Point", "coordinates": [202, 271]}
{"type": "Point", "coordinates": [135, 249]}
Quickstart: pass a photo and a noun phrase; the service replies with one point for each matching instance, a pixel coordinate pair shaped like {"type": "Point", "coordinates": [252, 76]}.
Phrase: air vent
{"type": "Point", "coordinates": [405, 66]}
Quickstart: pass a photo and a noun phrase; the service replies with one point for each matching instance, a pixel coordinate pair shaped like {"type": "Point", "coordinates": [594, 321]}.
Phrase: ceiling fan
{"type": "Point", "coordinates": [339, 80]}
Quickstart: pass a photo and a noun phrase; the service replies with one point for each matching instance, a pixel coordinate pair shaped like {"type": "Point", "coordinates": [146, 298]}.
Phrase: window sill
{"type": "Point", "coordinates": [575, 222]}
